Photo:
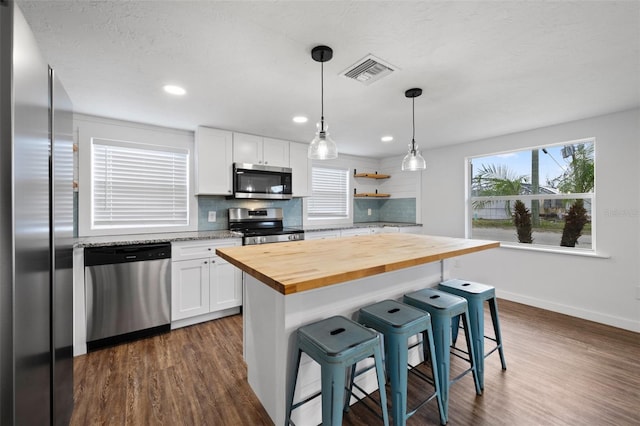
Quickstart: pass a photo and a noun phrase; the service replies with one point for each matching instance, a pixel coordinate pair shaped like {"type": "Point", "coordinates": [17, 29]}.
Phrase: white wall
{"type": "Point", "coordinates": [603, 289]}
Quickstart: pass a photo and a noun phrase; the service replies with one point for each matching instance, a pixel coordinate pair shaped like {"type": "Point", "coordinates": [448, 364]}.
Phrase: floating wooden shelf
{"type": "Point", "coordinates": [371, 194]}
{"type": "Point", "coordinates": [372, 175]}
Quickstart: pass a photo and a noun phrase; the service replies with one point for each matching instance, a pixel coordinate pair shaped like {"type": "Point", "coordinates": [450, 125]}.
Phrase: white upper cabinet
{"type": "Point", "coordinates": [247, 148]}
{"type": "Point", "coordinates": [275, 152]}
{"type": "Point", "coordinates": [258, 150]}
{"type": "Point", "coordinates": [301, 169]}
{"type": "Point", "coordinates": [213, 161]}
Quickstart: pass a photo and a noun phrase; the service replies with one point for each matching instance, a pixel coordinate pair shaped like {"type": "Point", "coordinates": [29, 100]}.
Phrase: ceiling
{"type": "Point", "coordinates": [486, 68]}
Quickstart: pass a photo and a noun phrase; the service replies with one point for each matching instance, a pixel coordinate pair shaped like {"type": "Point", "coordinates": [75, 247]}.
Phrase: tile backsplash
{"type": "Point", "coordinates": [389, 210]}
{"type": "Point", "coordinates": [291, 210]}
{"type": "Point", "coordinates": [385, 210]}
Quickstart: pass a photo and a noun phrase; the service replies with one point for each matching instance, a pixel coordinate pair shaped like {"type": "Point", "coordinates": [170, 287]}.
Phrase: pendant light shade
{"type": "Point", "coordinates": [322, 147]}
{"type": "Point", "coordinates": [413, 161]}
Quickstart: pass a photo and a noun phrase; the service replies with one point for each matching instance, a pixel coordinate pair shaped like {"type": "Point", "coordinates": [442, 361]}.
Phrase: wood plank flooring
{"type": "Point", "coordinates": [561, 371]}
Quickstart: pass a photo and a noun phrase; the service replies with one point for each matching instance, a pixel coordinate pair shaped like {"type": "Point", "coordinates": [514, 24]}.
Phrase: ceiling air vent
{"type": "Point", "coordinates": [368, 69]}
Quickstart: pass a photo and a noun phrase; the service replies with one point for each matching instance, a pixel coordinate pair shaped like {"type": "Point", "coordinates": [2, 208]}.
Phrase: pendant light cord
{"type": "Point", "coordinates": [413, 136]}
{"type": "Point", "coordinates": [322, 95]}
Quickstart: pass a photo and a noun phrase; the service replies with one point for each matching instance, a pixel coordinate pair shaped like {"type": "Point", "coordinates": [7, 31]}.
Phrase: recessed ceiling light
{"type": "Point", "coordinates": [300, 119]}
{"type": "Point", "coordinates": [386, 138]}
{"type": "Point", "coordinates": [174, 90]}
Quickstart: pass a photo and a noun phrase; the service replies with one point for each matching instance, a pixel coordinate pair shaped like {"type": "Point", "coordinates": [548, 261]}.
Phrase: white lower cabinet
{"type": "Point", "coordinates": [321, 235]}
{"type": "Point", "coordinates": [225, 285]}
{"type": "Point", "coordinates": [203, 284]}
{"type": "Point", "coordinates": [189, 288]}
{"type": "Point", "coordinates": [359, 231]}
{"type": "Point", "coordinates": [411, 229]}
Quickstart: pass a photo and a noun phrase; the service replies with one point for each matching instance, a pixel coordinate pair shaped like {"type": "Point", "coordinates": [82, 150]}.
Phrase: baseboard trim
{"type": "Point", "coordinates": [599, 317]}
{"type": "Point", "coordinates": [206, 317]}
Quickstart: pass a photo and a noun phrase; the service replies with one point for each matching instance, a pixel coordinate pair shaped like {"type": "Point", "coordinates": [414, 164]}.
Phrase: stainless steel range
{"type": "Point", "coordinates": [262, 226]}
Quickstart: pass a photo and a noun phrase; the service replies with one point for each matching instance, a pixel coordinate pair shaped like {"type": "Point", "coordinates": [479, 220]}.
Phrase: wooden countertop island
{"type": "Point", "coordinates": [304, 265]}
{"type": "Point", "coordinates": [287, 285]}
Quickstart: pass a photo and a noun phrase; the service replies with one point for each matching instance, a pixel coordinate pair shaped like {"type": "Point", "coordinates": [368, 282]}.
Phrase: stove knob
{"type": "Point", "coordinates": [292, 237]}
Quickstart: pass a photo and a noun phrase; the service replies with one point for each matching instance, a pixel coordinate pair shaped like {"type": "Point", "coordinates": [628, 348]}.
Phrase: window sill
{"type": "Point", "coordinates": [556, 250]}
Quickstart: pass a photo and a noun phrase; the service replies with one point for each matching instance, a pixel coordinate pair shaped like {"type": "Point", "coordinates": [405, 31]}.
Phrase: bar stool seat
{"type": "Point", "coordinates": [398, 322]}
{"type": "Point", "coordinates": [476, 294]}
{"type": "Point", "coordinates": [336, 343]}
{"type": "Point", "coordinates": [444, 307]}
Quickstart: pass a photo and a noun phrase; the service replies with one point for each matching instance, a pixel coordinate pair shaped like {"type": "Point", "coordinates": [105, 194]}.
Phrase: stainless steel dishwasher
{"type": "Point", "coordinates": [127, 292]}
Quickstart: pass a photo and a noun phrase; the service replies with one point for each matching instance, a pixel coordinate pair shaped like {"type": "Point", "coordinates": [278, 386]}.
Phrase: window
{"type": "Point", "coordinates": [541, 196]}
{"type": "Point", "coordinates": [329, 193]}
{"type": "Point", "coordinates": [138, 185]}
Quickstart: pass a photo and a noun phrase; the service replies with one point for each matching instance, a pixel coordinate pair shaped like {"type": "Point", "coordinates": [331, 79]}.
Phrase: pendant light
{"type": "Point", "coordinates": [322, 147]}
{"type": "Point", "coordinates": [413, 161]}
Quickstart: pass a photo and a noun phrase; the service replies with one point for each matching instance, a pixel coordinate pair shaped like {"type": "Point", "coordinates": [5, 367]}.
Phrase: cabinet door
{"type": "Point", "coordinates": [359, 231]}
{"type": "Point", "coordinates": [189, 288]}
{"type": "Point", "coordinates": [247, 148]}
{"type": "Point", "coordinates": [321, 235]}
{"type": "Point", "coordinates": [213, 161]}
{"type": "Point", "coordinates": [226, 285]}
{"type": "Point", "coordinates": [275, 152]}
{"type": "Point", "coordinates": [301, 169]}
{"type": "Point", "coordinates": [411, 229]}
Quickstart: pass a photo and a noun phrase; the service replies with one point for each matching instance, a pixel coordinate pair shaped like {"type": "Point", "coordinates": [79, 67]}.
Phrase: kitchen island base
{"type": "Point", "coordinates": [271, 319]}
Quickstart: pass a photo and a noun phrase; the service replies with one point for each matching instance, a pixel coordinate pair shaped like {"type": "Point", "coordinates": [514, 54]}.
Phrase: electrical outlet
{"type": "Point", "coordinates": [369, 212]}
{"type": "Point", "coordinates": [212, 216]}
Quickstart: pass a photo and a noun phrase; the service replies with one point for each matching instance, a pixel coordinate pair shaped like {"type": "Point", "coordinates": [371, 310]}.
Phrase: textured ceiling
{"type": "Point", "coordinates": [486, 68]}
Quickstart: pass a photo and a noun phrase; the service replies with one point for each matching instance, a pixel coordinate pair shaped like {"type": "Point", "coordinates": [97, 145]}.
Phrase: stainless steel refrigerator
{"type": "Point", "coordinates": [36, 232]}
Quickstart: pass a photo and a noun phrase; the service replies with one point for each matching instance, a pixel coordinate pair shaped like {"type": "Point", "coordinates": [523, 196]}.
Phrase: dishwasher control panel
{"type": "Point", "coordinates": [106, 255]}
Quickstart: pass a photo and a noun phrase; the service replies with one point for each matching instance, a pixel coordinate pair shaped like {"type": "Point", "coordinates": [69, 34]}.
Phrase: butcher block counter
{"type": "Point", "coordinates": [287, 285]}
{"type": "Point", "coordinates": [305, 265]}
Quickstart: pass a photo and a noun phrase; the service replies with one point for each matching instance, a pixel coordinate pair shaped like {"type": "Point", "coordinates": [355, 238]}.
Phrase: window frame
{"type": "Point", "coordinates": [311, 220]}
{"type": "Point", "coordinates": [469, 200]}
{"type": "Point", "coordinates": [109, 151]}
{"type": "Point", "coordinates": [89, 127]}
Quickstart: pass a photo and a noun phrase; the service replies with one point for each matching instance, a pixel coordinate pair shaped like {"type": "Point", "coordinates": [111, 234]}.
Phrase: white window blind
{"type": "Point", "coordinates": [329, 193]}
{"type": "Point", "coordinates": [138, 185]}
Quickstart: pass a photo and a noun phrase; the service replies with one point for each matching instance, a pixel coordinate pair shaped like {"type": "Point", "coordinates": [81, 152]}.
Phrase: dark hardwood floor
{"type": "Point", "coordinates": [561, 371]}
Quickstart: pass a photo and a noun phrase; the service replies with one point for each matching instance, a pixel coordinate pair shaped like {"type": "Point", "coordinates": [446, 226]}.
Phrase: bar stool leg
{"type": "Point", "coordinates": [476, 318]}
{"type": "Point", "coordinates": [333, 383]}
{"type": "Point", "coordinates": [381, 382]}
{"type": "Point", "coordinates": [397, 358]}
{"type": "Point", "coordinates": [442, 334]}
{"type": "Point", "coordinates": [347, 398]}
{"type": "Point", "coordinates": [468, 337]}
{"type": "Point", "coordinates": [292, 387]}
{"type": "Point", "coordinates": [427, 336]}
{"type": "Point", "coordinates": [455, 324]}
{"type": "Point", "coordinates": [493, 306]}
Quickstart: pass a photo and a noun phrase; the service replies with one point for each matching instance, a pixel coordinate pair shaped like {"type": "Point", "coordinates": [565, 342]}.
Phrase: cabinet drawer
{"type": "Point", "coordinates": [187, 250]}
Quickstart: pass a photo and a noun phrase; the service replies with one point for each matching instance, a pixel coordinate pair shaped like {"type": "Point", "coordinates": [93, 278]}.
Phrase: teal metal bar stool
{"type": "Point", "coordinates": [336, 343]}
{"type": "Point", "coordinates": [476, 294]}
{"type": "Point", "coordinates": [444, 307]}
{"type": "Point", "coordinates": [398, 322]}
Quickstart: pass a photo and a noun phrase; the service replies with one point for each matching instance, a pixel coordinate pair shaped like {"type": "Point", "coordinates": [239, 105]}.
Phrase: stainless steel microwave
{"type": "Point", "coordinates": [261, 182]}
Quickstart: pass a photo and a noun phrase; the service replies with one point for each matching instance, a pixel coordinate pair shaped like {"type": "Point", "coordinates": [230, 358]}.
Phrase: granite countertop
{"type": "Point", "coordinates": [119, 240]}
{"type": "Point", "coordinates": [356, 225]}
